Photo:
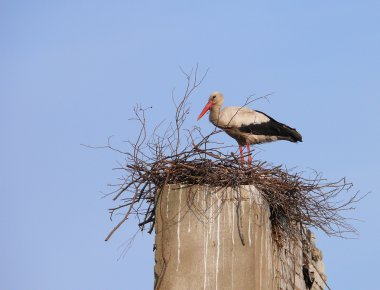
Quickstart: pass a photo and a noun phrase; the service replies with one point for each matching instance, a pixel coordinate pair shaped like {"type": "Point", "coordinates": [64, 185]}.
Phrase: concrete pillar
{"type": "Point", "coordinates": [206, 239]}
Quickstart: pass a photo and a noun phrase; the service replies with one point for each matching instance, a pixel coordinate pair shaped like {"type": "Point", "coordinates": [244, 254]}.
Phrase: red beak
{"type": "Point", "coordinates": [205, 109]}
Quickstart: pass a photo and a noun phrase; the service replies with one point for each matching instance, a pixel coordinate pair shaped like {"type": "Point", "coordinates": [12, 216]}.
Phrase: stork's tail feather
{"type": "Point", "coordinates": [294, 136]}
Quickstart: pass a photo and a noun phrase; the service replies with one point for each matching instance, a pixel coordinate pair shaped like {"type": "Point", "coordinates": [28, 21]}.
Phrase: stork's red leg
{"type": "Point", "coordinates": [249, 154]}
{"type": "Point", "coordinates": [241, 154]}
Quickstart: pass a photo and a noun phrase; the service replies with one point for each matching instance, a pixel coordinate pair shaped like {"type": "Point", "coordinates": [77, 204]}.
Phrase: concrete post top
{"type": "Point", "coordinates": [241, 191]}
{"type": "Point", "coordinates": [221, 238]}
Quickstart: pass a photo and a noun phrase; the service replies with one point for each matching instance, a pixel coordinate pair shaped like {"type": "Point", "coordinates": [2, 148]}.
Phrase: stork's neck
{"type": "Point", "coordinates": [215, 115]}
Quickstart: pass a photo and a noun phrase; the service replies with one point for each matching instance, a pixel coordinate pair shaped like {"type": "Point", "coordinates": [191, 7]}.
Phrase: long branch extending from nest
{"type": "Point", "coordinates": [186, 156]}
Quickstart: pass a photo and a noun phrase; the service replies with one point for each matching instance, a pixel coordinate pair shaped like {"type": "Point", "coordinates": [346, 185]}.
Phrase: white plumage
{"type": "Point", "coordinates": [237, 116]}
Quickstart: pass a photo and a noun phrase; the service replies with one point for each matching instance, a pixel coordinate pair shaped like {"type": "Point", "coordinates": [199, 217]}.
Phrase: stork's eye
{"type": "Point", "coordinates": [213, 97]}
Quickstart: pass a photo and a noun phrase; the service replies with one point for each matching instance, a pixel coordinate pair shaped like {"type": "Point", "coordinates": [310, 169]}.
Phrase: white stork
{"type": "Point", "coordinates": [247, 126]}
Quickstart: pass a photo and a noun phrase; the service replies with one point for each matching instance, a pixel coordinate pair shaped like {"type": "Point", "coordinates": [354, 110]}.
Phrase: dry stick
{"type": "Point", "coordinates": [123, 220]}
{"type": "Point", "coordinates": [124, 188]}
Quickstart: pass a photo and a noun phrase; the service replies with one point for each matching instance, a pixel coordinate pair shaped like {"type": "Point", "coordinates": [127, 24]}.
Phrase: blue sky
{"type": "Point", "coordinates": [71, 72]}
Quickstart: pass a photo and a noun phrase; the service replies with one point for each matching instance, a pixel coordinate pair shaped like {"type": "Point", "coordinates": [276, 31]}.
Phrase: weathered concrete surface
{"type": "Point", "coordinates": [205, 239]}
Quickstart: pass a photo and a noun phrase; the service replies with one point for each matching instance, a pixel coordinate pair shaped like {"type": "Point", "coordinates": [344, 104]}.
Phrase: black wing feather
{"type": "Point", "coordinates": [272, 128]}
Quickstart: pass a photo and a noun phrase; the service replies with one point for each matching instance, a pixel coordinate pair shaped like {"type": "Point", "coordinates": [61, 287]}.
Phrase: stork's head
{"type": "Point", "coordinates": [215, 99]}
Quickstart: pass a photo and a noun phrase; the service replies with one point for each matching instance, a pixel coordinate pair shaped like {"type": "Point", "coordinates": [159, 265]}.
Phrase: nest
{"type": "Point", "coordinates": [174, 155]}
